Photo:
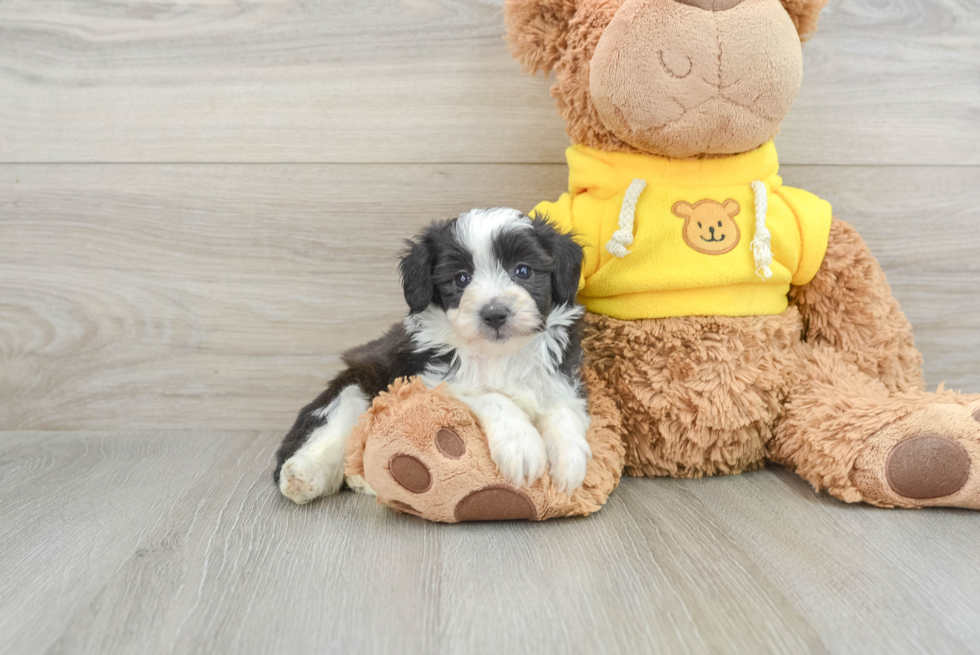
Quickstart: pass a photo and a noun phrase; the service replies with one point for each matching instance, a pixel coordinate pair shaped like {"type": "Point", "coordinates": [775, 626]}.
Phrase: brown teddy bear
{"type": "Point", "coordinates": [732, 320]}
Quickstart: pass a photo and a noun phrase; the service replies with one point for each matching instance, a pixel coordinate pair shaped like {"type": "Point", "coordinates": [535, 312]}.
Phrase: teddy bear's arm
{"type": "Point", "coordinates": [849, 306]}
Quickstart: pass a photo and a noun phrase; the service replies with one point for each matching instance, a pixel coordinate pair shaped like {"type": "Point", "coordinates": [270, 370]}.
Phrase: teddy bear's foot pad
{"type": "Point", "coordinates": [496, 503]}
{"type": "Point", "coordinates": [450, 444]}
{"type": "Point", "coordinates": [927, 466]}
{"type": "Point", "coordinates": [492, 502]}
{"type": "Point", "coordinates": [410, 473]}
{"type": "Point", "coordinates": [929, 458]}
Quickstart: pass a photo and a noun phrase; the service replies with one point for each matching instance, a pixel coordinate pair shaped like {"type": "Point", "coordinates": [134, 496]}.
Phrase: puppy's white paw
{"type": "Point", "coordinates": [301, 480]}
{"type": "Point", "coordinates": [563, 433]}
{"type": "Point", "coordinates": [567, 461]}
{"type": "Point", "coordinates": [518, 450]}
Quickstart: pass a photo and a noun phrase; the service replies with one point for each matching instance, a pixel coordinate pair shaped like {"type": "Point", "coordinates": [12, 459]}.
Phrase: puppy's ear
{"type": "Point", "coordinates": [537, 31]}
{"type": "Point", "coordinates": [566, 255]}
{"type": "Point", "coordinates": [804, 14]}
{"type": "Point", "coordinates": [418, 261]}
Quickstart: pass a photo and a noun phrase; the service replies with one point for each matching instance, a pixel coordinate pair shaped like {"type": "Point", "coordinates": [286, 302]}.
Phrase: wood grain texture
{"type": "Point", "coordinates": [218, 296]}
{"type": "Point", "coordinates": [239, 237]}
{"type": "Point", "coordinates": [887, 82]}
{"type": "Point", "coordinates": [838, 565]}
{"type": "Point", "coordinates": [178, 542]}
{"type": "Point", "coordinates": [173, 290]}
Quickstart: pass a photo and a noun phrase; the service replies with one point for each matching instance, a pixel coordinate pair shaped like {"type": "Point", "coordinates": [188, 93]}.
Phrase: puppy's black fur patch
{"type": "Point", "coordinates": [372, 367]}
{"type": "Point", "coordinates": [428, 266]}
{"type": "Point", "coordinates": [566, 255]}
{"type": "Point", "coordinates": [555, 260]}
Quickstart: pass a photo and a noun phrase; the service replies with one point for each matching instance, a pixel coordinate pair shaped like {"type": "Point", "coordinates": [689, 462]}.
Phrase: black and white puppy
{"type": "Point", "coordinates": [492, 312]}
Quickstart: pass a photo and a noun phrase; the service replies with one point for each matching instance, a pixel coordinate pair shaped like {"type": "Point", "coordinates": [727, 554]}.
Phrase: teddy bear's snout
{"type": "Point", "coordinates": [663, 88]}
{"type": "Point", "coordinates": [711, 5]}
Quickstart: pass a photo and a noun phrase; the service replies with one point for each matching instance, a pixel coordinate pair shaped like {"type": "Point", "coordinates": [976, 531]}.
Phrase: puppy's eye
{"type": "Point", "coordinates": [462, 279]}
{"type": "Point", "coordinates": [699, 225]}
{"type": "Point", "coordinates": [719, 223]}
{"type": "Point", "coordinates": [523, 271]}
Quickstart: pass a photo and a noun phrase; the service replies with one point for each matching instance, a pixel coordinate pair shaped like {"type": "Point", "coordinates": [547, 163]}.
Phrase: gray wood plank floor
{"type": "Point", "coordinates": [178, 542]}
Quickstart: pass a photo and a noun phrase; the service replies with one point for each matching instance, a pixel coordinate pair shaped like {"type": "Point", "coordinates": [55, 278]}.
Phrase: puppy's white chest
{"type": "Point", "coordinates": [520, 379]}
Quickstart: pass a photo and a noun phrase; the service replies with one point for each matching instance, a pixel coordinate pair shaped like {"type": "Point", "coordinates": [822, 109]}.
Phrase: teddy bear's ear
{"type": "Point", "coordinates": [804, 14]}
{"type": "Point", "coordinates": [682, 209]}
{"type": "Point", "coordinates": [537, 29]}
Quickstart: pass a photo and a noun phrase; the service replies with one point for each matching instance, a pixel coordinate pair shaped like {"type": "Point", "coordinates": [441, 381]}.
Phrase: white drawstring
{"type": "Point", "coordinates": [761, 248]}
{"type": "Point", "coordinates": [624, 235]}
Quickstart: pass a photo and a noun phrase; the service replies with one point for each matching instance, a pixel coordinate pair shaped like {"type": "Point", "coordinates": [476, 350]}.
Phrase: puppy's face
{"type": "Point", "coordinates": [489, 279]}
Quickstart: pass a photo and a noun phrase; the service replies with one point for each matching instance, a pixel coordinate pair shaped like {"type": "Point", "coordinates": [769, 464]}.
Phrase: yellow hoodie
{"type": "Point", "coordinates": [667, 237]}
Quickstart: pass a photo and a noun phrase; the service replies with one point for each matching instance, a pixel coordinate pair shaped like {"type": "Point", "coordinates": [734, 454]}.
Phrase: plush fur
{"type": "Point", "coordinates": [850, 308]}
{"type": "Point", "coordinates": [701, 394]}
{"type": "Point", "coordinates": [805, 15]}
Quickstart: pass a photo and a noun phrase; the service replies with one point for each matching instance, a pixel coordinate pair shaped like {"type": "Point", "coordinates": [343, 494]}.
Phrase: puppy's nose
{"type": "Point", "coordinates": [494, 316]}
{"type": "Point", "coordinates": [711, 5]}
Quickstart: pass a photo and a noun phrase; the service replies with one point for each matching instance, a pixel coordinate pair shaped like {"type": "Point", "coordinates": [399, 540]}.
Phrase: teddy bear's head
{"type": "Point", "coordinates": [678, 78]}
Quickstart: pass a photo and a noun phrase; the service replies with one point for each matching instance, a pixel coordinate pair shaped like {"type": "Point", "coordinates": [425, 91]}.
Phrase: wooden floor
{"type": "Point", "coordinates": [149, 541]}
{"type": "Point", "coordinates": [200, 206]}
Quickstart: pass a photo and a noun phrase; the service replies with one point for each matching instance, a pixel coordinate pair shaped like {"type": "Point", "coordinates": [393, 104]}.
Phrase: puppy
{"type": "Point", "coordinates": [492, 312]}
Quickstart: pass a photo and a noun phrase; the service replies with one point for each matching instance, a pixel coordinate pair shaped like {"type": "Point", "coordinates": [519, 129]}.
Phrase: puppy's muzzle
{"type": "Point", "coordinates": [494, 316]}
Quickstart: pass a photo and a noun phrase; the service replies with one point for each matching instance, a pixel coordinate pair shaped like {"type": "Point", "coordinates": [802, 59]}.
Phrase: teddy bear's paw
{"type": "Point", "coordinates": [929, 458]}
{"type": "Point", "coordinates": [445, 475]}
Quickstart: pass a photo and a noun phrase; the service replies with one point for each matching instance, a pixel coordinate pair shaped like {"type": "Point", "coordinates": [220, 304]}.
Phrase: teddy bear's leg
{"type": "Point", "coordinates": [857, 421]}
{"type": "Point", "coordinates": [423, 453]}
{"type": "Point", "coordinates": [698, 395]}
{"type": "Point", "coordinates": [849, 307]}
{"type": "Point", "coordinates": [846, 432]}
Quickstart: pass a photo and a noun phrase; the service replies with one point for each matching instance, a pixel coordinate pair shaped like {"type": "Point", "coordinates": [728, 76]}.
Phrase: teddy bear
{"type": "Point", "coordinates": [731, 320]}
